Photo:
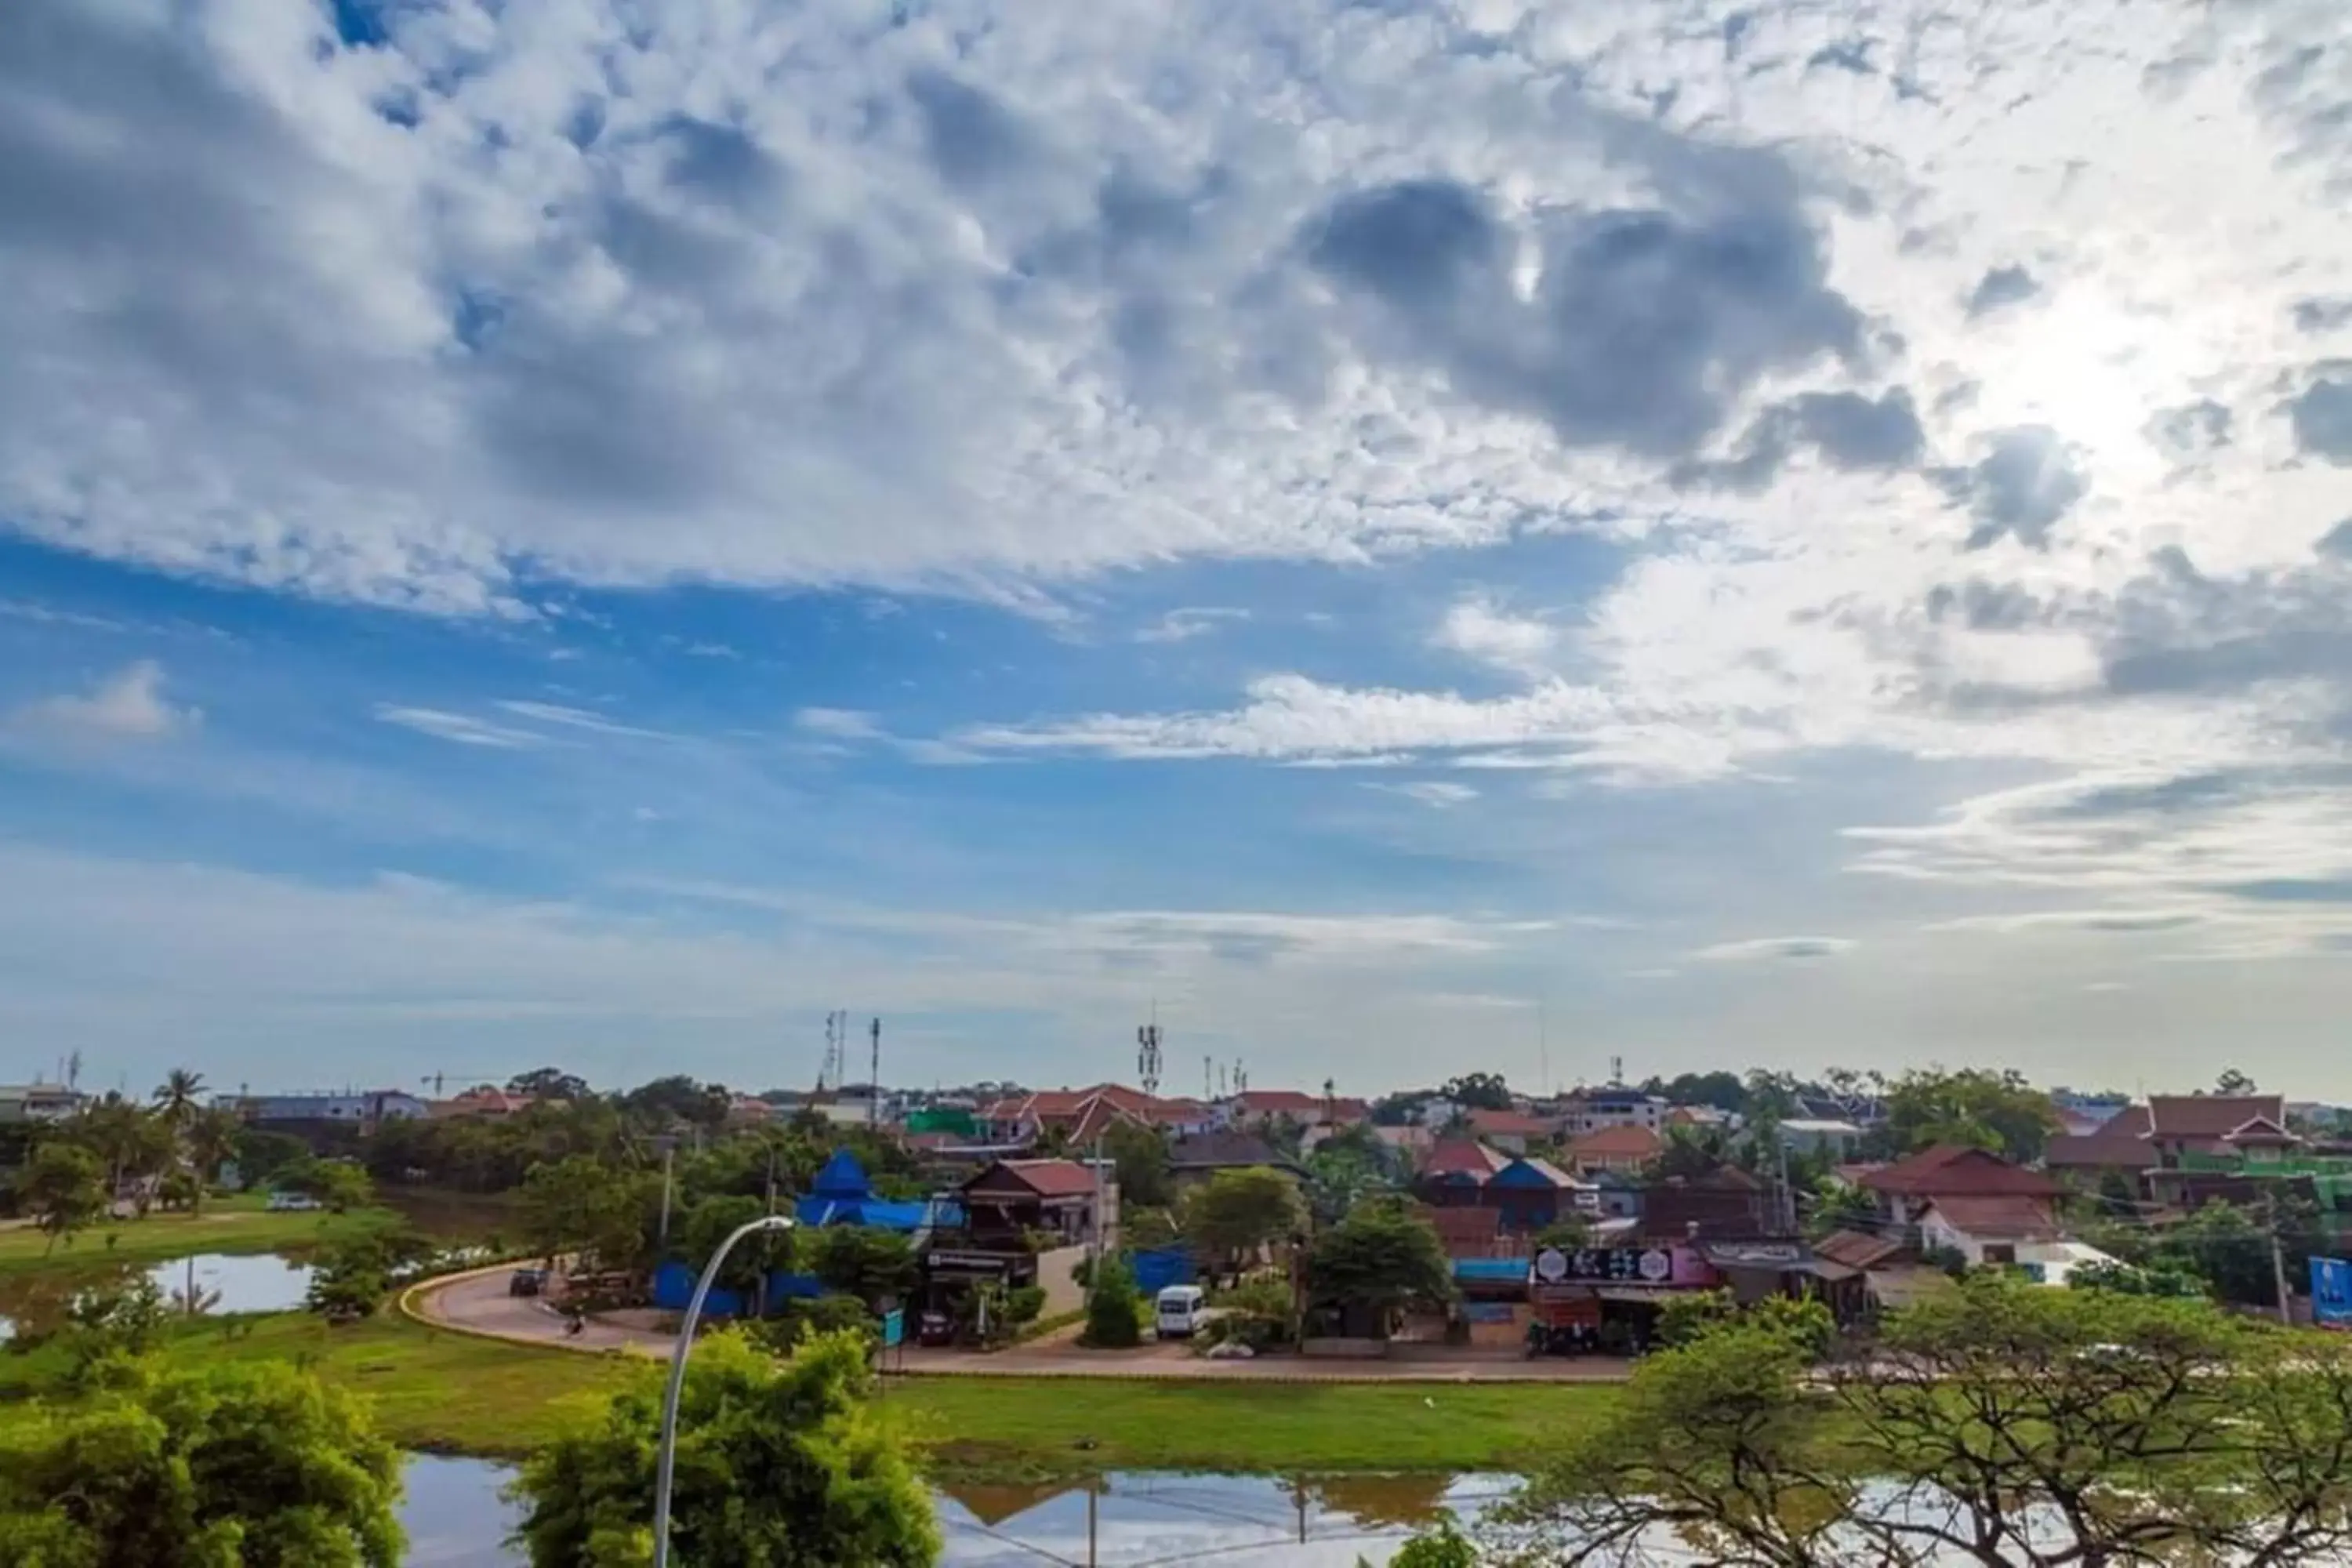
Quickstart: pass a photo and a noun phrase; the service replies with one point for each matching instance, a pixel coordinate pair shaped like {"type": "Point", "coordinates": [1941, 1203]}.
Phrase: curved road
{"type": "Point", "coordinates": [478, 1303]}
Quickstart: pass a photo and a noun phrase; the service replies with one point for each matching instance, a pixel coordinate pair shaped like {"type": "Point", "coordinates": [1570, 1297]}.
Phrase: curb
{"type": "Point", "coordinates": [406, 1304]}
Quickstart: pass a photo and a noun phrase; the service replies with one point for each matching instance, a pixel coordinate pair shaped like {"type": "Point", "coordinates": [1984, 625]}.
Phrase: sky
{"type": "Point", "coordinates": [1396, 536]}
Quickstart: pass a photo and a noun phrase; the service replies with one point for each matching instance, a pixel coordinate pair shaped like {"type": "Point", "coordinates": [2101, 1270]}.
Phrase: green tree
{"type": "Point", "coordinates": [1376, 1262]}
{"type": "Point", "coordinates": [707, 1226]}
{"type": "Point", "coordinates": [1693, 1152]}
{"type": "Point", "coordinates": [1114, 1308]}
{"type": "Point", "coordinates": [338, 1184]}
{"type": "Point", "coordinates": [2002, 1424]}
{"type": "Point", "coordinates": [1985, 1110]}
{"type": "Point", "coordinates": [210, 1140]}
{"type": "Point", "coordinates": [1442, 1545]}
{"type": "Point", "coordinates": [872, 1264]}
{"type": "Point", "coordinates": [1478, 1091]}
{"type": "Point", "coordinates": [2233, 1083]}
{"type": "Point", "coordinates": [130, 1144]}
{"type": "Point", "coordinates": [176, 1098]}
{"type": "Point", "coordinates": [549, 1083]}
{"type": "Point", "coordinates": [1140, 1153]}
{"type": "Point", "coordinates": [780, 1465]}
{"type": "Point", "coordinates": [230, 1466]}
{"type": "Point", "coordinates": [1345, 1169]}
{"type": "Point", "coordinates": [1235, 1213]}
{"type": "Point", "coordinates": [582, 1204]}
{"type": "Point", "coordinates": [63, 1188]}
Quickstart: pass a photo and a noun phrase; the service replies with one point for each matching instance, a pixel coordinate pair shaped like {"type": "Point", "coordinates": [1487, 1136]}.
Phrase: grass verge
{"type": "Point", "coordinates": [448, 1393]}
{"type": "Point", "coordinates": [229, 1225]}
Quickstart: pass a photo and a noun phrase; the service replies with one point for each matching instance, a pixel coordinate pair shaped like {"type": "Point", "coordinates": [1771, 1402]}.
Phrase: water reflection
{"type": "Point", "coordinates": [456, 1519]}
{"type": "Point", "coordinates": [213, 1281]}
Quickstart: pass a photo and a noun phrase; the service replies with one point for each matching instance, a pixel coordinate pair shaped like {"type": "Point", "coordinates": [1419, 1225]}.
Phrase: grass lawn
{"type": "Point", "coordinates": [453, 1394]}
{"type": "Point", "coordinates": [227, 1224]}
{"type": "Point", "coordinates": [992, 1426]}
{"type": "Point", "coordinates": [430, 1389]}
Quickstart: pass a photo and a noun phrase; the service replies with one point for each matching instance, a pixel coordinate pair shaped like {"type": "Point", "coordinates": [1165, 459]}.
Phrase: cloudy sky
{"type": "Point", "coordinates": [1408, 534]}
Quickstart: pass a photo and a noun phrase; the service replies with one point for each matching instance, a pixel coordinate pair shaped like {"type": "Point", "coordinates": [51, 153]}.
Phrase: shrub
{"type": "Point", "coordinates": [1114, 1310]}
{"type": "Point", "coordinates": [1682, 1318]}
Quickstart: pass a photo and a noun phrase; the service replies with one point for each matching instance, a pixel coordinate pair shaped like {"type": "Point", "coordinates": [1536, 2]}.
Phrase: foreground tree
{"type": "Point", "coordinates": [1239, 1212]}
{"type": "Point", "coordinates": [1140, 1155]}
{"type": "Point", "coordinates": [781, 1465]}
{"type": "Point", "coordinates": [230, 1467]}
{"type": "Point", "coordinates": [1374, 1264]}
{"type": "Point", "coordinates": [63, 1187]}
{"type": "Point", "coordinates": [2006, 1425]}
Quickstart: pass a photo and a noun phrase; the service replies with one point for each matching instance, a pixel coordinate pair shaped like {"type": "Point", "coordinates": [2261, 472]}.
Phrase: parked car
{"type": "Point", "coordinates": [526, 1283]}
{"type": "Point", "coordinates": [1179, 1311]}
{"type": "Point", "coordinates": [292, 1203]}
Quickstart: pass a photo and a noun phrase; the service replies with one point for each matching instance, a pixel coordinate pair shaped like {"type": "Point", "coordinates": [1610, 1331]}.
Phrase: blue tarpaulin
{"type": "Point", "coordinates": [1157, 1267]}
{"type": "Point", "coordinates": [1492, 1270]}
{"type": "Point", "coordinates": [2331, 1292]}
{"type": "Point", "coordinates": [674, 1288]}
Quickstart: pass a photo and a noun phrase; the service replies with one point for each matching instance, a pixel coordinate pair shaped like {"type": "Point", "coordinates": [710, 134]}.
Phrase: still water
{"type": "Point", "coordinates": [254, 1283]}
{"type": "Point", "coordinates": [456, 1519]}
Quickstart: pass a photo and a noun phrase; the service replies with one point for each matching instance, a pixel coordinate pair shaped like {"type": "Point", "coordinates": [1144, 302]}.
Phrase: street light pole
{"type": "Point", "coordinates": [667, 1466]}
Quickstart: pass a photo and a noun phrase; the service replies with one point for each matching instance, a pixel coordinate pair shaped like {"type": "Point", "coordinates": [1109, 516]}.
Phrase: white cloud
{"type": "Point", "coordinates": [1184, 624]}
{"type": "Point", "coordinates": [1477, 630]}
{"type": "Point", "coordinates": [838, 723]}
{"type": "Point", "coordinates": [1435, 793]}
{"type": "Point", "coordinates": [462, 729]}
{"type": "Point", "coordinates": [1787, 948]}
{"type": "Point", "coordinates": [127, 705]}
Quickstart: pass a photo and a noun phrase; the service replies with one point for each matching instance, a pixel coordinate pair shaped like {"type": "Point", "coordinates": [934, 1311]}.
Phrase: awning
{"type": "Point", "coordinates": [1766, 1257]}
{"type": "Point", "coordinates": [1824, 1268]}
{"type": "Point", "coordinates": [1650, 1294]}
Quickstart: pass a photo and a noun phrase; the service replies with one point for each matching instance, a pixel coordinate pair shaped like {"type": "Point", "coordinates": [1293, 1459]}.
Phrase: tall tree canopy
{"type": "Point", "coordinates": [239, 1465]}
{"type": "Point", "coordinates": [780, 1465]}
{"type": "Point", "coordinates": [1377, 1261]}
{"type": "Point", "coordinates": [1478, 1091]}
{"type": "Point", "coordinates": [1237, 1212]}
{"type": "Point", "coordinates": [1985, 1110]}
{"type": "Point", "coordinates": [2004, 1424]}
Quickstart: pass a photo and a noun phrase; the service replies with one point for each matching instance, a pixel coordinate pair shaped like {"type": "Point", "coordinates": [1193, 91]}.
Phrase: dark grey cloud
{"type": "Point", "coordinates": [2179, 631]}
{"type": "Point", "coordinates": [1984, 606]}
{"type": "Point", "coordinates": [970, 138]}
{"type": "Point", "coordinates": [2322, 315]}
{"type": "Point", "coordinates": [2322, 416]}
{"type": "Point", "coordinates": [1644, 325]}
{"type": "Point", "coordinates": [2337, 542]}
{"type": "Point", "coordinates": [2011, 285]}
{"type": "Point", "coordinates": [1851, 431]}
{"type": "Point", "coordinates": [2188, 792]}
{"type": "Point", "coordinates": [720, 161]}
{"type": "Point", "coordinates": [2191, 430]}
{"type": "Point", "coordinates": [2021, 488]}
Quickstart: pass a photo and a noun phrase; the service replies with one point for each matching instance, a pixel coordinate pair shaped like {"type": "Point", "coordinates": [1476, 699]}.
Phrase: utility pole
{"type": "Point", "coordinates": [874, 1081]}
{"type": "Point", "coordinates": [2278, 1270]}
{"type": "Point", "coordinates": [670, 1157]}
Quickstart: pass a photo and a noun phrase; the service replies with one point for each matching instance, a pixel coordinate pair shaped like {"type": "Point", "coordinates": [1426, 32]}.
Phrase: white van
{"type": "Point", "coordinates": [1180, 1310]}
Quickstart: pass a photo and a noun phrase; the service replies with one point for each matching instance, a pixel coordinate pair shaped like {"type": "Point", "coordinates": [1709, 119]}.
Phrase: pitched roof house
{"type": "Point", "coordinates": [1082, 1115]}
{"type": "Point", "coordinates": [1201, 1155]}
{"type": "Point", "coordinates": [2206, 1123]}
{"type": "Point", "coordinates": [1968, 1200]}
{"type": "Point", "coordinates": [1618, 1147]}
{"type": "Point", "coordinates": [1256, 1105]}
{"type": "Point", "coordinates": [2121, 1144]}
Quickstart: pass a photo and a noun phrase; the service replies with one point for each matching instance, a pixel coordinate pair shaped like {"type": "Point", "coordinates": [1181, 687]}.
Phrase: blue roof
{"type": "Point", "coordinates": [819, 1210]}
{"type": "Point", "coordinates": [843, 1177]}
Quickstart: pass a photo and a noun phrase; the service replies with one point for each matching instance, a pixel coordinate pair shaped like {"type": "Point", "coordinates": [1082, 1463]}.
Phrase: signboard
{"type": "Point", "coordinates": [2331, 1293]}
{"type": "Point", "coordinates": [893, 1327]}
{"type": "Point", "coordinates": [1781, 1255]}
{"type": "Point", "coordinates": [1653, 1265]}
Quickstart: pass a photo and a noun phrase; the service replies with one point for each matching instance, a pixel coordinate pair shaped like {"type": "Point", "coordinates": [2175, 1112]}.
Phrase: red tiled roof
{"type": "Point", "coordinates": [1951, 1168]}
{"type": "Point", "coordinates": [1510, 1124]}
{"type": "Point", "coordinates": [2261, 1130]}
{"type": "Point", "coordinates": [1639, 1142]}
{"type": "Point", "coordinates": [1053, 1178]}
{"type": "Point", "coordinates": [1461, 1157]}
{"type": "Point", "coordinates": [2121, 1144]}
{"type": "Point", "coordinates": [2001, 1215]}
{"type": "Point", "coordinates": [1269, 1101]}
{"type": "Point", "coordinates": [1856, 1249]}
{"type": "Point", "coordinates": [2211, 1115]}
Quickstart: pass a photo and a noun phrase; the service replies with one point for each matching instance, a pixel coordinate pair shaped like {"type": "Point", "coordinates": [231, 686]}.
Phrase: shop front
{"type": "Point", "coordinates": [1605, 1300]}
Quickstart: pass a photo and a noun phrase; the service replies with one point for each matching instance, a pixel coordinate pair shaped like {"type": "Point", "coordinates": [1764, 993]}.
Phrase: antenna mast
{"type": "Point", "coordinates": [1147, 1059]}
{"type": "Point", "coordinates": [874, 1081]}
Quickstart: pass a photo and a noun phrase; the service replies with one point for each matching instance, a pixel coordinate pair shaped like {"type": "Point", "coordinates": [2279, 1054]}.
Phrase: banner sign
{"type": "Point", "coordinates": [1622, 1265]}
{"type": "Point", "coordinates": [2331, 1292]}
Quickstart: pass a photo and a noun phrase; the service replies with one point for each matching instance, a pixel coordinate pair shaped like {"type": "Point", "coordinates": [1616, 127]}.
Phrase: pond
{"type": "Point", "coordinates": [456, 1519]}
{"type": "Point", "coordinates": [223, 1282]}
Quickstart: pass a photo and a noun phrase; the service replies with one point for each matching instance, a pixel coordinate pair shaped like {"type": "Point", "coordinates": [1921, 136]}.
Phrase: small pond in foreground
{"type": "Point", "coordinates": [456, 1519]}
{"type": "Point", "coordinates": [223, 1282]}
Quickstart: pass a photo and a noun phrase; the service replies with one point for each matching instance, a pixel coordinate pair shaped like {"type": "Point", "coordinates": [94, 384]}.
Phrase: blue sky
{"type": "Point", "coordinates": [1405, 538]}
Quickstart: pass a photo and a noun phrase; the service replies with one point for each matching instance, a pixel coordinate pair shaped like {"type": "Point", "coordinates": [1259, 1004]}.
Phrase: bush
{"type": "Point", "coordinates": [1682, 1318]}
{"type": "Point", "coordinates": [800, 1320]}
{"type": "Point", "coordinates": [1021, 1306]}
{"type": "Point", "coordinates": [1441, 1546]}
{"type": "Point", "coordinates": [1114, 1310]}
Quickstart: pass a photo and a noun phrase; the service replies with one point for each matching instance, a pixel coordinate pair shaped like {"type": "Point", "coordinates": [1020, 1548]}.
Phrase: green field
{"type": "Point", "coordinates": [227, 1224]}
{"type": "Point", "coordinates": [454, 1393]}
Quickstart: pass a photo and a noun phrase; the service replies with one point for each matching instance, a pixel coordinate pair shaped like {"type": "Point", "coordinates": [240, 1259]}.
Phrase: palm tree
{"type": "Point", "coordinates": [175, 1097]}
{"type": "Point", "coordinates": [209, 1140]}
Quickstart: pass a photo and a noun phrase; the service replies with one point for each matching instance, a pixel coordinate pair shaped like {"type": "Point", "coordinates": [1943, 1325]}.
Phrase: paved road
{"type": "Point", "coordinates": [479, 1303]}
